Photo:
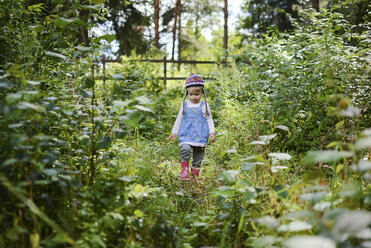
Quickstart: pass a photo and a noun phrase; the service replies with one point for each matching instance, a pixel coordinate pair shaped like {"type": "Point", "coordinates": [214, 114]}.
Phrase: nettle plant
{"type": "Point", "coordinates": [327, 215]}
{"type": "Point", "coordinates": [322, 201]}
{"type": "Point", "coordinates": [302, 74]}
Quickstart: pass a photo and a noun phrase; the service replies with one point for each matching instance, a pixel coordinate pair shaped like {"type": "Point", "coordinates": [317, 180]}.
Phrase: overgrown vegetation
{"type": "Point", "coordinates": [84, 163]}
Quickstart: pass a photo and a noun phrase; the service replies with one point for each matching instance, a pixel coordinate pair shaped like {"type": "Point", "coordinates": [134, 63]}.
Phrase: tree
{"type": "Point", "coordinates": [176, 15]}
{"type": "Point", "coordinates": [315, 4]}
{"type": "Point", "coordinates": [157, 23]}
{"type": "Point", "coordinates": [129, 24]}
{"type": "Point", "coordinates": [356, 11]}
{"type": "Point", "coordinates": [225, 43]}
{"type": "Point", "coordinates": [263, 13]}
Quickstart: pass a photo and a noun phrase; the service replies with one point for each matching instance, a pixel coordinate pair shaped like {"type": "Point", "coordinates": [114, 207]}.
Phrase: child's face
{"type": "Point", "coordinates": [195, 94]}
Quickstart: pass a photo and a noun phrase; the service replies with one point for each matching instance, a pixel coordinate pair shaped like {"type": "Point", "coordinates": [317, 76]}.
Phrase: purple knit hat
{"type": "Point", "coordinates": [194, 80]}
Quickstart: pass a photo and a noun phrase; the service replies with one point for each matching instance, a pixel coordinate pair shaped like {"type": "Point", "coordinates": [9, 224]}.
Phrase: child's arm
{"type": "Point", "coordinates": [171, 137]}
{"type": "Point", "coordinates": [210, 123]}
{"type": "Point", "coordinates": [212, 137]}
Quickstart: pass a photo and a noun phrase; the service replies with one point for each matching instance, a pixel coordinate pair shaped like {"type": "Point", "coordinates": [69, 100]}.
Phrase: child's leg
{"type": "Point", "coordinates": [185, 152]}
{"type": "Point", "coordinates": [185, 155]}
{"type": "Point", "coordinates": [198, 156]}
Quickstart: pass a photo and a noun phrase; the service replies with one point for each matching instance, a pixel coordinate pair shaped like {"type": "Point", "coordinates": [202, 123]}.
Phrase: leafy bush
{"type": "Point", "coordinates": [307, 75]}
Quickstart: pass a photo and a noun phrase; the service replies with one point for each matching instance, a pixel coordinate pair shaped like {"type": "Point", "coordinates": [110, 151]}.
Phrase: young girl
{"type": "Point", "coordinates": [194, 126]}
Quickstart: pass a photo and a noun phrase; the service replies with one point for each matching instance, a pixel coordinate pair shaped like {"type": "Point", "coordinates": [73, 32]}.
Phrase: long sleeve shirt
{"type": "Point", "coordinates": [179, 119]}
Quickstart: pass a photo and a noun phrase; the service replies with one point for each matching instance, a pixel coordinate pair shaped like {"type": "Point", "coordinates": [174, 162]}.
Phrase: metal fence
{"type": "Point", "coordinates": [164, 61]}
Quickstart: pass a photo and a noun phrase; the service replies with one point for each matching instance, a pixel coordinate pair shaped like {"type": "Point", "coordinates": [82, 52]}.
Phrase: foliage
{"type": "Point", "coordinates": [308, 76]}
{"type": "Point", "coordinates": [129, 22]}
{"type": "Point", "coordinates": [260, 15]}
{"type": "Point", "coordinates": [84, 162]}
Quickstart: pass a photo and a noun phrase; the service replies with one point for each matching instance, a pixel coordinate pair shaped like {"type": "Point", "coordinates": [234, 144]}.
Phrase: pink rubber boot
{"type": "Point", "coordinates": [195, 173]}
{"type": "Point", "coordinates": [184, 174]}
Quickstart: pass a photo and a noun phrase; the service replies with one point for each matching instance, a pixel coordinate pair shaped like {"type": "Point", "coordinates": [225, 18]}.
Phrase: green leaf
{"type": "Point", "coordinates": [6, 84]}
{"type": "Point", "coordinates": [138, 213]}
{"type": "Point", "coordinates": [108, 37]}
{"type": "Point", "coordinates": [98, 1]}
{"type": "Point", "coordinates": [339, 167]}
{"type": "Point", "coordinates": [125, 179]}
{"type": "Point", "coordinates": [33, 82]}
{"type": "Point", "coordinates": [230, 176]}
{"type": "Point", "coordinates": [138, 191]}
{"type": "Point", "coordinates": [367, 132]}
{"type": "Point", "coordinates": [105, 142]}
{"type": "Point", "coordinates": [314, 157]}
{"type": "Point", "coordinates": [362, 165]}
{"type": "Point", "coordinates": [98, 6]}
{"type": "Point", "coordinates": [86, 93]}
{"type": "Point", "coordinates": [249, 166]}
{"type": "Point", "coordinates": [82, 137]}
{"type": "Point", "coordinates": [225, 191]}
{"type": "Point", "coordinates": [199, 224]}
{"type": "Point", "coordinates": [88, 82]}
{"type": "Point", "coordinates": [51, 172]}
{"type": "Point", "coordinates": [119, 76]}
{"type": "Point", "coordinates": [263, 242]}
{"type": "Point", "coordinates": [119, 106]}
{"type": "Point", "coordinates": [310, 242]}
{"type": "Point", "coordinates": [140, 107]}
{"type": "Point", "coordinates": [142, 100]}
{"type": "Point", "coordinates": [363, 143]}
{"type": "Point", "coordinates": [351, 222]}
{"type": "Point", "coordinates": [295, 226]}
{"type": "Point", "coordinates": [15, 70]}
{"type": "Point", "coordinates": [314, 197]}
{"type": "Point", "coordinates": [268, 221]}
{"type": "Point", "coordinates": [9, 161]}
{"type": "Point", "coordinates": [280, 156]}
{"type": "Point", "coordinates": [83, 48]}
{"type": "Point", "coordinates": [322, 206]}
{"type": "Point", "coordinates": [257, 142]}
{"type": "Point", "coordinates": [351, 112]}
{"type": "Point", "coordinates": [304, 214]}
{"type": "Point", "coordinates": [232, 150]}
{"type": "Point", "coordinates": [131, 119]}
{"type": "Point", "coordinates": [62, 22]}
{"type": "Point", "coordinates": [275, 169]}
{"type": "Point", "coordinates": [27, 106]}
{"type": "Point", "coordinates": [57, 55]}
{"type": "Point", "coordinates": [267, 138]}
{"type": "Point", "coordinates": [11, 98]}
{"type": "Point", "coordinates": [282, 127]}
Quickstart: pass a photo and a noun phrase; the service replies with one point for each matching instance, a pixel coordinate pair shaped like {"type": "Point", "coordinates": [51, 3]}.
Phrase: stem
{"type": "Point", "coordinates": [34, 208]}
{"type": "Point", "coordinates": [92, 158]}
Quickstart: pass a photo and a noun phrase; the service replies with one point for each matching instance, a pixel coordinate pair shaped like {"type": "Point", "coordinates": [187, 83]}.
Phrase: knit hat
{"type": "Point", "coordinates": [194, 80]}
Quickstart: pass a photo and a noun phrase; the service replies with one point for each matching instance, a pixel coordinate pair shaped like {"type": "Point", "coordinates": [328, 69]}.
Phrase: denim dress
{"type": "Point", "coordinates": [194, 129]}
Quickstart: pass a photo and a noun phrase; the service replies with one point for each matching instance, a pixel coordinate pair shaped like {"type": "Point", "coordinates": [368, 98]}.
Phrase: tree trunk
{"type": "Point", "coordinates": [157, 20]}
{"type": "Point", "coordinates": [315, 4]}
{"type": "Point", "coordinates": [179, 34]}
{"type": "Point", "coordinates": [177, 11]}
{"type": "Point", "coordinates": [225, 43]}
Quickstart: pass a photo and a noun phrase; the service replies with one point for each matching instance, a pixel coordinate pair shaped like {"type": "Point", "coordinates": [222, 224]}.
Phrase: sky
{"type": "Point", "coordinates": [234, 11]}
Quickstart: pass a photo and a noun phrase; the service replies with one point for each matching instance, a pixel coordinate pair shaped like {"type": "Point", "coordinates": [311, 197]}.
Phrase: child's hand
{"type": "Point", "coordinates": [171, 137]}
{"type": "Point", "coordinates": [212, 137]}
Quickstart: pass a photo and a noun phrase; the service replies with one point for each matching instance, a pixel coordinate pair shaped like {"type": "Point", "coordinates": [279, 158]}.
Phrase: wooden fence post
{"type": "Point", "coordinates": [104, 71]}
{"type": "Point", "coordinates": [165, 71]}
